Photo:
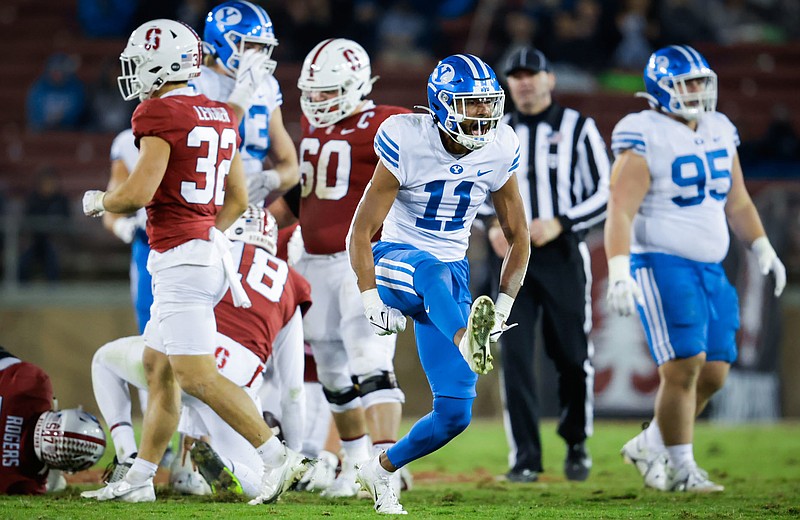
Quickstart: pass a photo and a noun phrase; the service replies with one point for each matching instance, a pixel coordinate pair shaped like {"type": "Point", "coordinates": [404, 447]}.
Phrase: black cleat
{"type": "Point", "coordinates": [578, 462]}
{"type": "Point", "coordinates": [522, 476]}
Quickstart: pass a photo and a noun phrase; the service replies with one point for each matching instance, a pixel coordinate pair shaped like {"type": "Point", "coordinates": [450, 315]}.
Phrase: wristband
{"type": "Point", "coordinates": [619, 268]}
{"type": "Point", "coordinates": [371, 299]}
{"type": "Point", "coordinates": [503, 305]}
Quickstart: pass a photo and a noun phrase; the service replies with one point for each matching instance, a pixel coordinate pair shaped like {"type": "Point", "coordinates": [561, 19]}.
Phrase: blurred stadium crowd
{"type": "Point", "coordinates": [62, 106]}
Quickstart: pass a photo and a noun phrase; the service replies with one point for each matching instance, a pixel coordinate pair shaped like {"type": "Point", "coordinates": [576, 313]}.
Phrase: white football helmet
{"type": "Point", "coordinates": [256, 226]}
{"type": "Point", "coordinates": [158, 51]}
{"type": "Point", "coordinates": [69, 440]}
{"type": "Point", "coordinates": [334, 65]}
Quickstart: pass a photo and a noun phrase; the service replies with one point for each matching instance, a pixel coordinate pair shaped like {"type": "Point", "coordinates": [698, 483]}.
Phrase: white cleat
{"type": "Point", "coordinates": [124, 491]}
{"type": "Point", "coordinates": [652, 465]}
{"type": "Point", "coordinates": [185, 478]}
{"type": "Point", "coordinates": [278, 479]}
{"type": "Point", "coordinates": [379, 486]}
{"type": "Point", "coordinates": [344, 486]}
{"type": "Point", "coordinates": [691, 479]}
{"type": "Point", "coordinates": [474, 346]}
{"type": "Point", "coordinates": [321, 475]}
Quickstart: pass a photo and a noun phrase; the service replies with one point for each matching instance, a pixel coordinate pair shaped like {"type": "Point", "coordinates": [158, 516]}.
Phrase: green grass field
{"type": "Point", "coordinates": [758, 464]}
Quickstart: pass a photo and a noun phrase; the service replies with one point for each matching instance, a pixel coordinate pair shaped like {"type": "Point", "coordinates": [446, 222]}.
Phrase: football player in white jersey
{"type": "Point", "coordinates": [435, 171]}
{"type": "Point", "coordinates": [239, 41]}
{"type": "Point", "coordinates": [676, 185]}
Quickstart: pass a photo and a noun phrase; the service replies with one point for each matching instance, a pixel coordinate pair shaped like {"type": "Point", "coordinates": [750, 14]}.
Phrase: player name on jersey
{"type": "Point", "coordinates": [12, 438]}
{"type": "Point", "coordinates": [212, 114]}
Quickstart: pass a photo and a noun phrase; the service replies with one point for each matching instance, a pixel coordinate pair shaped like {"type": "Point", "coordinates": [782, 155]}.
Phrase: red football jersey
{"type": "Point", "coordinates": [275, 290]}
{"type": "Point", "coordinates": [25, 393]}
{"type": "Point", "coordinates": [203, 137]}
{"type": "Point", "coordinates": [336, 164]}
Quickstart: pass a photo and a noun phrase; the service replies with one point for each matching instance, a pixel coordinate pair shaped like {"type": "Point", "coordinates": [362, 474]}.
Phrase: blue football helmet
{"type": "Point", "coordinates": [458, 82]}
{"type": "Point", "coordinates": [666, 78]}
{"type": "Point", "coordinates": [230, 25]}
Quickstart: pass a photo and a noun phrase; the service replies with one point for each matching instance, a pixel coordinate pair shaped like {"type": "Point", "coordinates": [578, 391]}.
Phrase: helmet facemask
{"type": "Point", "coordinates": [130, 86]}
{"type": "Point", "coordinates": [686, 104]}
{"type": "Point", "coordinates": [330, 111]}
{"type": "Point", "coordinates": [472, 132]}
{"type": "Point", "coordinates": [239, 42]}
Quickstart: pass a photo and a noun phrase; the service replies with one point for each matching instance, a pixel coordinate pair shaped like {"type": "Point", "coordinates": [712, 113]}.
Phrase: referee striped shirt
{"type": "Point", "coordinates": [564, 167]}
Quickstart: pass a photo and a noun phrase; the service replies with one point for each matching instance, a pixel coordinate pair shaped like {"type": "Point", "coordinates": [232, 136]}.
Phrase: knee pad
{"type": "Point", "coordinates": [343, 400]}
{"type": "Point", "coordinates": [432, 272]}
{"type": "Point", "coordinates": [380, 387]}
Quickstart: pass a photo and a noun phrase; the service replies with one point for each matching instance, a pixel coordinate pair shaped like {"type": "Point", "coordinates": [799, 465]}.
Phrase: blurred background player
{"type": "Point", "coordinates": [435, 171]}
{"type": "Point", "coordinates": [187, 145]}
{"type": "Point", "coordinates": [677, 175]}
{"type": "Point", "coordinates": [269, 331]}
{"type": "Point", "coordinates": [239, 42]}
{"type": "Point", "coordinates": [38, 442]}
{"type": "Point", "coordinates": [354, 365]}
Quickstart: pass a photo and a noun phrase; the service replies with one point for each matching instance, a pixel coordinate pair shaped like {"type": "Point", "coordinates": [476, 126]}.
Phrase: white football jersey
{"type": "Point", "coordinates": [683, 213]}
{"type": "Point", "coordinates": [439, 193]}
{"type": "Point", "coordinates": [123, 148]}
{"type": "Point", "coordinates": [254, 129]}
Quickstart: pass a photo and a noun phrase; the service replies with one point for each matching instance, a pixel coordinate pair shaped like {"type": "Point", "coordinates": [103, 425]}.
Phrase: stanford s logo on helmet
{"type": "Point", "coordinates": [69, 440]}
{"type": "Point", "coordinates": [231, 25]}
{"type": "Point", "coordinates": [456, 82]}
{"type": "Point", "coordinates": [158, 52]}
{"type": "Point", "coordinates": [667, 78]}
{"type": "Point", "coordinates": [340, 66]}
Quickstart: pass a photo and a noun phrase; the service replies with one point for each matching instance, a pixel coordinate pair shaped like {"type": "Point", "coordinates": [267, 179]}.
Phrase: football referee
{"type": "Point", "coordinates": [563, 178]}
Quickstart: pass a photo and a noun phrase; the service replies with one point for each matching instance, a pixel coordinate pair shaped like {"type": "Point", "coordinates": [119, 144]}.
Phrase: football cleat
{"type": "Point", "coordinates": [116, 471]}
{"type": "Point", "coordinates": [321, 475]}
{"type": "Point", "coordinates": [652, 465]}
{"type": "Point", "coordinates": [185, 478]}
{"type": "Point", "coordinates": [474, 345]}
{"type": "Point", "coordinates": [691, 479]}
{"type": "Point", "coordinates": [216, 474]}
{"type": "Point", "coordinates": [124, 491]}
{"type": "Point", "coordinates": [379, 486]}
{"type": "Point", "coordinates": [278, 479]}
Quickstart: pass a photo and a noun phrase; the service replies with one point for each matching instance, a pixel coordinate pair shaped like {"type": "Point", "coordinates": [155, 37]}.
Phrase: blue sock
{"type": "Point", "coordinates": [450, 416]}
{"type": "Point", "coordinates": [433, 280]}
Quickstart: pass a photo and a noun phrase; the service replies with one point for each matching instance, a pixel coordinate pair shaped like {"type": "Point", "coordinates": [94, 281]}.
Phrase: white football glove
{"type": "Point", "coordinates": [295, 247]}
{"type": "Point", "coordinates": [768, 261]}
{"type": "Point", "coordinates": [93, 203]}
{"type": "Point", "coordinates": [125, 228]}
{"type": "Point", "coordinates": [253, 71]}
{"type": "Point", "coordinates": [320, 474]}
{"type": "Point", "coordinates": [384, 320]}
{"type": "Point", "coordinates": [260, 184]}
{"type": "Point", "coordinates": [502, 310]}
{"type": "Point", "coordinates": [623, 292]}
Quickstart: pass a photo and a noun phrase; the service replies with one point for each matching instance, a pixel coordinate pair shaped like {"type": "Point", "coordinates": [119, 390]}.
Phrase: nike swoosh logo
{"type": "Point", "coordinates": [346, 131]}
{"type": "Point", "coordinates": [480, 173]}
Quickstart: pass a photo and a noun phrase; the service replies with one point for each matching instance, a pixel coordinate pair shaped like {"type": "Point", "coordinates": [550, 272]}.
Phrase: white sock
{"type": "Point", "coordinates": [356, 450]}
{"type": "Point", "coordinates": [680, 455]}
{"type": "Point", "coordinates": [652, 437]}
{"type": "Point", "coordinates": [272, 452]}
{"type": "Point", "coordinates": [140, 471]}
{"type": "Point", "coordinates": [124, 441]}
{"type": "Point", "coordinates": [381, 447]}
